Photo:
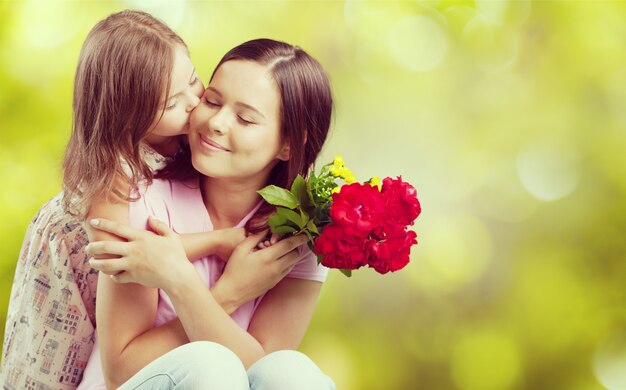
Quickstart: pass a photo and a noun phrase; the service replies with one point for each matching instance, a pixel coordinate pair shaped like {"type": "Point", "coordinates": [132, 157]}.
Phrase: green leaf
{"type": "Point", "coordinates": [283, 229]}
{"type": "Point", "coordinates": [278, 196]}
{"type": "Point", "coordinates": [319, 258]}
{"type": "Point", "coordinates": [276, 220]}
{"type": "Point", "coordinates": [305, 218]}
{"type": "Point", "coordinates": [312, 228]}
{"type": "Point", "coordinates": [347, 272]}
{"type": "Point", "coordinates": [299, 189]}
{"type": "Point", "coordinates": [291, 216]}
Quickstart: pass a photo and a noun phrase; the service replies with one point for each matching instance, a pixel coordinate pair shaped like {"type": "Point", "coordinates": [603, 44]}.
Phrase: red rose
{"type": "Point", "coordinates": [401, 203]}
{"type": "Point", "coordinates": [357, 209]}
{"type": "Point", "coordinates": [391, 254]}
{"type": "Point", "coordinates": [340, 250]}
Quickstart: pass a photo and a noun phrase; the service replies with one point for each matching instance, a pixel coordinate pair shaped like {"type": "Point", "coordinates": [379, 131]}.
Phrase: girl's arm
{"type": "Point", "coordinates": [219, 242]}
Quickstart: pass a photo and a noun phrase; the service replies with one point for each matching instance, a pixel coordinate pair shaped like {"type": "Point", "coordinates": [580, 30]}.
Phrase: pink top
{"type": "Point", "coordinates": [180, 205]}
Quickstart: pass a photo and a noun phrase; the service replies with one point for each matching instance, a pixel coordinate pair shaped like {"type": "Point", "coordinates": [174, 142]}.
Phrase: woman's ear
{"type": "Point", "coordinates": [285, 152]}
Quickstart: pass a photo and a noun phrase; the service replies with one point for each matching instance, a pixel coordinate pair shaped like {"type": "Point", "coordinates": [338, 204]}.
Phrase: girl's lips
{"type": "Point", "coordinates": [211, 144]}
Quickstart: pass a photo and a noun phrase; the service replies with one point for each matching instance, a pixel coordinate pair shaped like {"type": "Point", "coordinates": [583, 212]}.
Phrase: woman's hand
{"type": "Point", "coordinates": [269, 242]}
{"type": "Point", "coordinates": [250, 272]}
{"type": "Point", "coordinates": [153, 260]}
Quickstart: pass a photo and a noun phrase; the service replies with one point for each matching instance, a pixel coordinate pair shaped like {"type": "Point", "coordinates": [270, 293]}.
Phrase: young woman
{"type": "Point", "coordinates": [263, 119]}
{"type": "Point", "coordinates": [135, 87]}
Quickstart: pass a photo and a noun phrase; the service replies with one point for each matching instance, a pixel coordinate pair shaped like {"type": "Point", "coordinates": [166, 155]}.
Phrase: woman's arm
{"type": "Point", "coordinates": [248, 274]}
{"type": "Point", "coordinates": [284, 314]}
{"type": "Point", "coordinates": [280, 322]}
{"type": "Point", "coordinates": [123, 312]}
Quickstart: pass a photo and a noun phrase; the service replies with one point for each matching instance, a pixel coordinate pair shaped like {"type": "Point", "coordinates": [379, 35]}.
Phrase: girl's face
{"type": "Point", "coordinates": [235, 130]}
{"type": "Point", "coordinates": [185, 93]}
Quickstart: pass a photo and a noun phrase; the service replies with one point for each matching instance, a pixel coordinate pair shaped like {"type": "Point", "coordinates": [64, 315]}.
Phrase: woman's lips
{"type": "Point", "coordinates": [208, 143]}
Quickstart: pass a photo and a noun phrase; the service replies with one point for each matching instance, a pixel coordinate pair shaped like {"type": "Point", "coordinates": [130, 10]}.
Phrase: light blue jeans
{"type": "Point", "coordinates": [204, 365]}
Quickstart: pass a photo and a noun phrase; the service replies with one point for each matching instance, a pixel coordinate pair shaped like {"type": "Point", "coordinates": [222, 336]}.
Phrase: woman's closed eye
{"type": "Point", "coordinates": [245, 121]}
{"type": "Point", "coordinates": [211, 102]}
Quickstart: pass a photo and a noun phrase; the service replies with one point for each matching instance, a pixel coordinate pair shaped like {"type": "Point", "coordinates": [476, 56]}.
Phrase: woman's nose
{"type": "Point", "coordinates": [218, 122]}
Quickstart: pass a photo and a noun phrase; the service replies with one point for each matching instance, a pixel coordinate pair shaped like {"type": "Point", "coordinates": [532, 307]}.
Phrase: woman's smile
{"type": "Point", "coordinates": [207, 143]}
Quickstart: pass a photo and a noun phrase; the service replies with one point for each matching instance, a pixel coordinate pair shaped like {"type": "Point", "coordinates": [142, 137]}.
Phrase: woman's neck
{"type": "Point", "coordinates": [229, 201]}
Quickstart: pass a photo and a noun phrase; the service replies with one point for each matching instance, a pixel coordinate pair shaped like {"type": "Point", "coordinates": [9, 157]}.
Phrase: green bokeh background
{"type": "Point", "coordinates": [508, 116]}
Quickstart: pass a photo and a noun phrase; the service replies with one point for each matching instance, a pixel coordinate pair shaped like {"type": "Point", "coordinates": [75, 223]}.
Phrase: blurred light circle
{"type": "Point", "coordinates": [356, 11]}
{"type": "Point", "coordinates": [417, 43]}
{"type": "Point", "coordinates": [500, 12]}
{"type": "Point", "coordinates": [457, 17]}
{"type": "Point", "coordinates": [46, 25]}
{"type": "Point", "coordinates": [609, 362]}
{"type": "Point", "coordinates": [549, 171]}
{"type": "Point", "coordinates": [485, 360]}
{"type": "Point", "coordinates": [172, 12]}
{"type": "Point", "coordinates": [504, 197]}
{"type": "Point", "coordinates": [493, 48]}
{"type": "Point", "coordinates": [454, 251]}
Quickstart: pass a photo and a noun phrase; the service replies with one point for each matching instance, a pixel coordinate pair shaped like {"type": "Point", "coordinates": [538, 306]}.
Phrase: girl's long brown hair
{"type": "Point", "coordinates": [305, 114]}
{"type": "Point", "coordinates": [122, 77]}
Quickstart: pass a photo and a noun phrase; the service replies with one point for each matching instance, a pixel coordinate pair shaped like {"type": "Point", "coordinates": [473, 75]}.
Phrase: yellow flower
{"type": "Point", "coordinates": [336, 190]}
{"type": "Point", "coordinates": [350, 178]}
{"type": "Point", "coordinates": [335, 171]}
{"type": "Point", "coordinates": [338, 162]}
{"type": "Point", "coordinates": [375, 181]}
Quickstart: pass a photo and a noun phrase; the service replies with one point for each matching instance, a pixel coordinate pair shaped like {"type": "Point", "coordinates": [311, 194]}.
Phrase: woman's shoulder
{"type": "Point", "coordinates": [165, 199]}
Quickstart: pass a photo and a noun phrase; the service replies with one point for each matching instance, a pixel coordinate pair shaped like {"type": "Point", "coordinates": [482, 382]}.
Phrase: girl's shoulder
{"type": "Point", "coordinates": [151, 157]}
{"type": "Point", "coordinates": [52, 224]}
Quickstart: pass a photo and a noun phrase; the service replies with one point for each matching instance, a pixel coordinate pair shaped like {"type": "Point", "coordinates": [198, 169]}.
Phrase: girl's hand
{"type": "Point", "coordinates": [227, 241]}
{"type": "Point", "coordinates": [250, 272]}
{"type": "Point", "coordinates": [153, 260]}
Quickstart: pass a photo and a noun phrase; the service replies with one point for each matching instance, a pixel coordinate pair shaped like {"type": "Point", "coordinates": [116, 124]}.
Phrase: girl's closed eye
{"type": "Point", "coordinates": [194, 81]}
{"type": "Point", "coordinates": [171, 104]}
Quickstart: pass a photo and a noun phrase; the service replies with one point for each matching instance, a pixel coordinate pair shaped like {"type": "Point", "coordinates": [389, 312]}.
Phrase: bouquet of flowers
{"type": "Point", "coordinates": [351, 225]}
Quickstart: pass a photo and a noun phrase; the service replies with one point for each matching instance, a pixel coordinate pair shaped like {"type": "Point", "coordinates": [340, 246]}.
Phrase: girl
{"type": "Point", "coordinates": [135, 87]}
{"type": "Point", "coordinates": [263, 119]}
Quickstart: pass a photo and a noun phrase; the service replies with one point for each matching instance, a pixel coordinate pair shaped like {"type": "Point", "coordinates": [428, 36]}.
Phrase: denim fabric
{"type": "Point", "coordinates": [197, 365]}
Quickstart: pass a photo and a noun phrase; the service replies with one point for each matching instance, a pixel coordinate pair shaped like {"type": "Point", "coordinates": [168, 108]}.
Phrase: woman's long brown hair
{"type": "Point", "coordinates": [122, 77]}
{"type": "Point", "coordinates": [305, 114]}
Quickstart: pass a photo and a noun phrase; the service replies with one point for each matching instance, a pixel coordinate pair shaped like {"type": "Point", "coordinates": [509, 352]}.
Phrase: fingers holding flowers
{"type": "Point", "coordinates": [250, 272]}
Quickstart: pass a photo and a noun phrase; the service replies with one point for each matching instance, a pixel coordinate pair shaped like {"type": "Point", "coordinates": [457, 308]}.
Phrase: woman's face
{"type": "Point", "coordinates": [235, 130]}
{"type": "Point", "coordinates": [185, 93]}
